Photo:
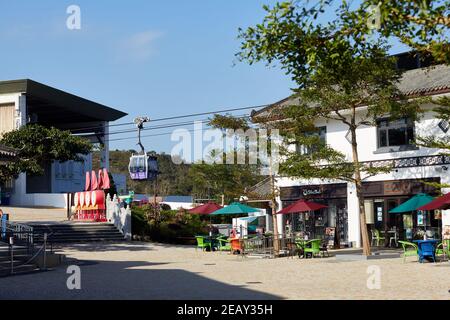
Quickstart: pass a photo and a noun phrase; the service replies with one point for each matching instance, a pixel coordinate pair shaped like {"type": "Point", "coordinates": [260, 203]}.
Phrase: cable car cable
{"type": "Point", "coordinates": [174, 117]}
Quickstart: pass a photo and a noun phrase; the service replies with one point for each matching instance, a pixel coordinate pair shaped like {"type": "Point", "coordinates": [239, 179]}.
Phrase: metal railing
{"type": "Point", "coordinates": [264, 246]}
{"type": "Point", "coordinates": [21, 234]}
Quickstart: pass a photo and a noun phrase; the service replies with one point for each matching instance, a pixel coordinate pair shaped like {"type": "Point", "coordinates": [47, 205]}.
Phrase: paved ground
{"type": "Point", "coordinates": [150, 271]}
{"type": "Point", "coordinates": [48, 215]}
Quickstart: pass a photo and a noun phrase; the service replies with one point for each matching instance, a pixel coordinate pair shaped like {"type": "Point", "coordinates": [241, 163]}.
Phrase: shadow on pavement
{"type": "Point", "coordinates": [125, 280]}
{"type": "Point", "coordinates": [103, 246]}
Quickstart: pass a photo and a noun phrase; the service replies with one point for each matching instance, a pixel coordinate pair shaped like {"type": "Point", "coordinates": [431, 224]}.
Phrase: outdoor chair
{"type": "Point", "coordinates": [376, 237]}
{"type": "Point", "coordinates": [203, 243]}
{"type": "Point", "coordinates": [409, 249]}
{"type": "Point", "coordinates": [223, 244]}
{"type": "Point", "coordinates": [300, 248]}
{"type": "Point", "coordinates": [324, 249]}
{"type": "Point", "coordinates": [313, 247]}
{"type": "Point", "coordinates": [440, 250]}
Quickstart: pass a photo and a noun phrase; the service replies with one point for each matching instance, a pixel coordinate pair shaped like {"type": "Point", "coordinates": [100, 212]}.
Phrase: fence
{"type": "Point", "coordinates": [264, 246]}
{"type": "Point", "coordinates": [21, 234]}
{"type": "Point", "coordinates": [119, 216]}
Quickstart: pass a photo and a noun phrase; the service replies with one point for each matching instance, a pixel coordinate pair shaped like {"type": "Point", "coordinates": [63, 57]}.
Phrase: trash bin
{"type": "Point", "coordinates": [5, 199]}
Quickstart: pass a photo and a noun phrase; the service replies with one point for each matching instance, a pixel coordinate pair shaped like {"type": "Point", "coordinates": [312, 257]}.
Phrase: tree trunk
{"type": "Point", "coordinates": [359, 193]}
{"type": "Point", "coordinates": [276, 244]}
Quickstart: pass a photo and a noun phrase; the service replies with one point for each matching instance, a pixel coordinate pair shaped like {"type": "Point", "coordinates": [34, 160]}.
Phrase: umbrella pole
{"type": "Point", "coordinates": [210, 226]}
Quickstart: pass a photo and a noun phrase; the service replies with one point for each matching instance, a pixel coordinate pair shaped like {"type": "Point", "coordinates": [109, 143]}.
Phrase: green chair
{"type": "Point", "coordinates": [376, 237]}
{"type": "Point", "coordinates": [203, 243]}
{"type": "Point", "coordinates": [440, 250]}
{"type": "Point", "coordinates": [313, 247]}
{"type": "Point", "coordinates": [300, 246]}
{"type": "Point", "coordinates": [223, 244]}
{"type": "Point", "coordinates": [409, 249]}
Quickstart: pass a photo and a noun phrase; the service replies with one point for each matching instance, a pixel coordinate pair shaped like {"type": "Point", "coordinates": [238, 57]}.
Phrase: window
{"type": "Point", "coordinates": [321, 132]}
{"type": "Point", "coordinates": [395, 133]}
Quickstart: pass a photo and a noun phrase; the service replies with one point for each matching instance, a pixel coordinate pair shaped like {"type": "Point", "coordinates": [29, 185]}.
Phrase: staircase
{"type": "Point", "coordinates": [70, 232]}
{"type": "Point", "coordinates": [21, 257]}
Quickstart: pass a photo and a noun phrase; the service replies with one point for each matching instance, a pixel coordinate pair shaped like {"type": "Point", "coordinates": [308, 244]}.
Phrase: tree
{"type": "Point", "coordinates": [214, 179]}
{"type": "Point", "coordinates": [340, 76]}
{"type": "Point", "coordinates": [38, 145]}
{"type": "Point", "coordinates": [421, 25]}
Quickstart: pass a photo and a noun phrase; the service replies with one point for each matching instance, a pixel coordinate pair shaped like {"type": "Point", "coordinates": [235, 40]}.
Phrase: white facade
{"type": "Point", "coordinates": [68, 112]}
{"type": "Point", "coordinates": [367, 138]}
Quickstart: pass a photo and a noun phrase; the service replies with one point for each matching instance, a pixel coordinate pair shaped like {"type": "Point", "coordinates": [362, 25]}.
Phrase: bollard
{"type": "Point", "coordinates": [45, 251]}
{"type": "Point", "coordinates": [11, 249]}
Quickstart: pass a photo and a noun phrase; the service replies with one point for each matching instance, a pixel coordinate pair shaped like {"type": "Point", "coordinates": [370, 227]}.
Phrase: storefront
{"type": "Point", "coordinates": [330, 224]}
{"type": "Point", "coordinates": [383, 196]}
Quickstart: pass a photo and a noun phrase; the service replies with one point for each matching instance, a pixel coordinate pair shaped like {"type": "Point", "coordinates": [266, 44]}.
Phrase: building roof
{"type": "Point", "coordinates": [426, 81]}
{"type": "Point", "coordinates": [7, 151]}
{"type": "Point", "coordinates": [7, 154]}
{"type": "Point", "coordinates": [417, 82]}
{"type": "Point", "coordinates": [48, 97]}
{"type": "Point", "coordinates": [187, 199]}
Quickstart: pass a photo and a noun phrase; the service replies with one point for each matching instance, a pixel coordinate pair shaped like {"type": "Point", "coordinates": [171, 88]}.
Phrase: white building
{"type": "Point", "coordinates": [387, 142]}
{"type": "Point", "coordinates": [27, 101]}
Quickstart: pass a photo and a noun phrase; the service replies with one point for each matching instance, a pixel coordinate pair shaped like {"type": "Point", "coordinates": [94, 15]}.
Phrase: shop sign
{"type": "Point", "coordinates": [310, 192]}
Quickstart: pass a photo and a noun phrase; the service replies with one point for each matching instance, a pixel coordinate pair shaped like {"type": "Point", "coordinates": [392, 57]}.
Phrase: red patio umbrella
{"type": "Point", "coordinates": [206, 208]}
{"type": "Point", "coordinates": [302, 206]}
{"type": "Point", "coordinates": [442, 203]}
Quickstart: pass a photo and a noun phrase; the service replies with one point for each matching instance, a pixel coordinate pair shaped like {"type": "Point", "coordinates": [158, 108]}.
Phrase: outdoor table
{"type": "Point", "coordinates": [393, 232]}
{"type": "Point", "coordinates": [427, 249]}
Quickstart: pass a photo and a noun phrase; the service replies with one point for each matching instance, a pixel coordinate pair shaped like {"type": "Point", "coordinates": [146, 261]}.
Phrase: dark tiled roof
{"type": "Point", "coordinates": [426, 81]}
{"type": "Point", "coordinates": [417, 82]}
{"type": "Point", "coordinates": [7, 151]}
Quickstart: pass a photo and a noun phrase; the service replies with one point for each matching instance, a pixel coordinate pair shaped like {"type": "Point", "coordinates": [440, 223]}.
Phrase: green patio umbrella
{"type": "Point", "coordinates": [235, 208]}
{"type": "Point", "coordinates": [413, 204]}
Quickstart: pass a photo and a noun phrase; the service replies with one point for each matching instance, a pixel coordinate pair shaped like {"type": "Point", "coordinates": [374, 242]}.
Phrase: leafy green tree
{"type": "Point", "coordinates": [420, 24]}
{"type": "Point", "coordinates": [340, 76]}
{"type": "Point", "coordinates": [38, 145]}
{"type": "Point", "coordinates": [212, 179]}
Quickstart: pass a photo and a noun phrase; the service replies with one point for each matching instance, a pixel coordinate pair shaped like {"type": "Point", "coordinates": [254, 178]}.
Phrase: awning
{"type": "Point", "coordinates": [249, 219]}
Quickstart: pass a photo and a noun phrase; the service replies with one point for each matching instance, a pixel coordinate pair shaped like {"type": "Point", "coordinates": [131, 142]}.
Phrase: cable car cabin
{"type": "Point", "coordinates": [143, 167]}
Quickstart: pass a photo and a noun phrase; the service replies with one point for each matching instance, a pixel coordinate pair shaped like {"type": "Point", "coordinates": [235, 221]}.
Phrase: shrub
{"type": "Point", "coordinates": [172, 227]}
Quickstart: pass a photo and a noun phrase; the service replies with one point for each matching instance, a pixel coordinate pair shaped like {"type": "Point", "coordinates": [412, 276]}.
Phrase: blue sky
{"type": "Point", "coordinates": [154, 58]}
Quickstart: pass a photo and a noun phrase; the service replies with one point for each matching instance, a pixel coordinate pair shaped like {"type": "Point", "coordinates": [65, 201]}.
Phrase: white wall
{"type": "Point", "coordinates": [178, 205]}
{"type": "Point", "coordinates": [367, 145]}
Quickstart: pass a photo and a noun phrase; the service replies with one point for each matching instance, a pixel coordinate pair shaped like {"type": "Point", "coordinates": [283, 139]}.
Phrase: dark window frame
{"type": "Point", "coordinates": [321, 132]}
{"type": "Point", "coordinates": [386, 126]}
